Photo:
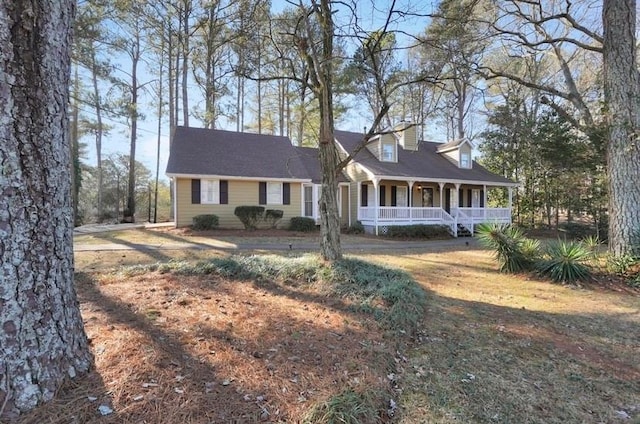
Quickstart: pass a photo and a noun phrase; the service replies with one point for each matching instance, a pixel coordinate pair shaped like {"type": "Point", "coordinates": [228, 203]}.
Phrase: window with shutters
{"type": "Point", "coordinates": [210, 191]}
{"type": "Point", "coordinates": [274, 193]}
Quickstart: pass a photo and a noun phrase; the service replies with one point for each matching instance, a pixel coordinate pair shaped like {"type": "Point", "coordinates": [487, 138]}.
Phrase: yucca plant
{"type": "Point", "coordinates": [514, 252]}
{"type": "Point", "coordinates": [592, 243]}
{"type": "Point", "coordinates": [565, 261]}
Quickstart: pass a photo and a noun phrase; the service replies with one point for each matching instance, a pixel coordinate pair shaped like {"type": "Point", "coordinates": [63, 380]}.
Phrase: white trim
{"type": "Point", "coordinates": [230, 178]}
{"type": "Point", "coordinates": [456, 146]}
{"type": "Point", "coordinates": [435, 180]}
{"type": "Point", "coordinates": [175, 202]}
{"type": "Point", "coordinates": [372, 176]}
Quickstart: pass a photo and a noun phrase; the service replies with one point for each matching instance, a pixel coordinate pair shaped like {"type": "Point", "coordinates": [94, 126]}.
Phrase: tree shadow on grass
{"type": "Point", "coordinates": [480, 362]}
{"type": "Point", "coordinates": [156, 254]}
{"type": "Point", "coordinates": [162, 363]}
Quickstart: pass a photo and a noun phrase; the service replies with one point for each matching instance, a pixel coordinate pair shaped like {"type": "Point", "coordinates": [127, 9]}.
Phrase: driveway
{"type": "Point", "coordinates": [352, 243]}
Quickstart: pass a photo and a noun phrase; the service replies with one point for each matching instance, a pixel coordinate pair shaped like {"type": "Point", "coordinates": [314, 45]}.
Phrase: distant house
{"type": "Point", "coordinates": [395, 180]}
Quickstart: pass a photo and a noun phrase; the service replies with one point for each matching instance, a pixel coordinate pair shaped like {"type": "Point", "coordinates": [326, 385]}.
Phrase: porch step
{"type": "Point", "coordinates": [463, 231]}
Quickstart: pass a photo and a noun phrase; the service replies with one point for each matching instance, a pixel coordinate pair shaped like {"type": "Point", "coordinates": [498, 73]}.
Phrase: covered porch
{"type": "Point", "coordinates": [459, 205]}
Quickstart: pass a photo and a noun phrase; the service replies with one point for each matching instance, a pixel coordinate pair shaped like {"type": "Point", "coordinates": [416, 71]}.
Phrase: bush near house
{"type": "Point", "coordinates": [250, 216]}
{"type": "Point", "coordinates": [356, 228]}
{"type": "Point", "coordinates": [205, 222]}
{"type": "Point", "coordinates": [272, 217]}
{"type": "Point", "coordinates": [303, 224]}
{"type": "Point", "coordinates": [418, 231]}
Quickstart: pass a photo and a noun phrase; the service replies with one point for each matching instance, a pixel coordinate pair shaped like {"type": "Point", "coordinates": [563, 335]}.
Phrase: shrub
{"type": "Point", "coordinates": [205, 222]}
{"type": "Point", "coordinates": [356, 228]}
{"type": "Point", "coordinates": [250, 216]}
{"type": "Point", "coordinates": [418, 231]}
{"type": "Point", "coordinates": [564, 261]}
{"type": "Point", "coordinates": [514, 252]}
{"type": "Point", "coordinates": [301, 223]}
{"type": "Point", "coordinates": [272, 216]}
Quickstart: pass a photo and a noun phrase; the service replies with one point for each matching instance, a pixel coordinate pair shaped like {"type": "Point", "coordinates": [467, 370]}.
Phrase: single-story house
{"type": "Point", "coordinates": [394, 180]}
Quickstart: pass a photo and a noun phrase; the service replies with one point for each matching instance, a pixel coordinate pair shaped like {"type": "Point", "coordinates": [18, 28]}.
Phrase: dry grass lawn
{"type": "Point", "coordinates": [492, 348]}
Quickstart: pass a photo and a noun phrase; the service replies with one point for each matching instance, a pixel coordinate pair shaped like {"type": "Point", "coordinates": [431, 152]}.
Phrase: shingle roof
{"type": "Point", "coordinates": [198, 151]}
{"type": "Point", "coordinates": [425, 163]}
{"type": "Point", "coordinates": [452, 144]}
{"type": "Point", "coordinates": [309, 156]}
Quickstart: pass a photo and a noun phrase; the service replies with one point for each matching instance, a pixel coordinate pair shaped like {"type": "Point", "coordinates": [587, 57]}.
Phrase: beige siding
{"type": "Point", "coordinates": [408, 138]}
{"type": "Point", "coordinates": [344, 218]}
{"type": "Point", "coordinates": [374, 148]}
{"type": "Point", "coordinates": [356, 175]}
{"type": "Point", "coordinates": [453, 156]}
{"type": "Point", "coordinates": [241, 193]}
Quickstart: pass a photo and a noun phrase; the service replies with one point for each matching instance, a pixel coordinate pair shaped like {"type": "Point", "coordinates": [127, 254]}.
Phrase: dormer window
{"type": "Point", "coordinates": [465, 160]}
{"type": "Point", "coordinates": [388, 152]}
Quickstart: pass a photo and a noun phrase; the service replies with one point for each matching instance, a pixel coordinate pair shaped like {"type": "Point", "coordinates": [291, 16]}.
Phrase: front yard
{"type": "Point", "coordinates": [174, 346]}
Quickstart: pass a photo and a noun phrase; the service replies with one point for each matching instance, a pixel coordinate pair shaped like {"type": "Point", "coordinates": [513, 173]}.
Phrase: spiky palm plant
{"type": "Point", "coordinates": [513, 251]}
{"type": "Point", "coordinates": [565, 261]}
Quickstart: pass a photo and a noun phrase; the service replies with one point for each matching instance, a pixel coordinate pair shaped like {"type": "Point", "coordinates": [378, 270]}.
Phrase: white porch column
{"type": "Point", "coordinates": [359, 201]}
{"type": "Point", "coordinates": [510, 202]}
{"type": "Point", "coordinates": [410, 200]}
{"type": "Point", "coordinates": [484, 202]}
{"type": "Point", "coordinates": [441, 185]}
{"type": "Point", "coordinates": [377, 203]}
{"type": "Point", "coordinates": [456, 204]}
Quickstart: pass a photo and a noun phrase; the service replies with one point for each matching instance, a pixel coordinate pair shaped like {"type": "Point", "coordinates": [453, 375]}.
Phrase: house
{"type": "Point", "coordinates": [394, 180]}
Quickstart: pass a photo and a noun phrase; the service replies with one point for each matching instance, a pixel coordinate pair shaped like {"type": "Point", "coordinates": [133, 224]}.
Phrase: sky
{"type": "Point", "coordinates": [369, 12]}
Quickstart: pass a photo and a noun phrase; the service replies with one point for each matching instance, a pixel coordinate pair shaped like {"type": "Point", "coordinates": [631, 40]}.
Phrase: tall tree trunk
{"type": "Point", "coordinates": [98, 134]}
{"type": "Point", "coordinates": [160, 94]}
{"type": "Point", "coordinates": [330, 247]}
{"type": "Point", "coordinates": [185, 62]}
{"type": "Point", "coordinates": [43, 342]}
{"type": "Point", "coordinates": [75, 148]}
{"type": "Point", "coordinates": [130, 214]}
{"type": "Point", "coordinates": [622, 97]}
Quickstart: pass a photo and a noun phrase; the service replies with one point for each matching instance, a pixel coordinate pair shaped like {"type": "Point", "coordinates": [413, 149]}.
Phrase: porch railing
{"type": "Point", "coordinates": [468, 217]}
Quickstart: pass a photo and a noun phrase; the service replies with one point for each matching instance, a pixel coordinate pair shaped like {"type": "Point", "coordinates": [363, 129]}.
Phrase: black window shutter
{"type": "Point", "coordinates": [469, 198]}
{"type": "Point", "coordinates": [195, 192]}
{"type": "Point", "coordinates": [224, 192]}
{"type": "Point", "coordinates": [482, 198]}
{"type": "Point", "coordinates": [262, 193]}
{"type": "Point", "coordinates": [382, 195]}
{"type": "Point", "coordinates": [394, 196]}
{"type": "Point", "coordinates": [364, 195]}
{"type": "Point", "coordinates": [286, 193]}
{"type": "Point", "coordinates": [460, 197]}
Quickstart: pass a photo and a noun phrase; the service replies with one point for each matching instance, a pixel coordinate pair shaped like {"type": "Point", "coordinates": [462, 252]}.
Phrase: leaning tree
{"type": "Point", "coordinates": [42, 342]}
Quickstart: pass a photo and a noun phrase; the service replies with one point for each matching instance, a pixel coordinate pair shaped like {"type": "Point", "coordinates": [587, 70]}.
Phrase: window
{"type": "Point", "coordinates": [210, 191]}
{"type": "Point", "coordinates": [465, 160]}
{"type": "Point", "coordinates": [308, 201]}
{"type": "Point", "coordinates": [274, 193]}
{"type": "Point", "coordinates": [388, 152]}
{"type": "Point", "coordinates": [401, 196]}
{"type": "Point", "coordinates": [371, 196]}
